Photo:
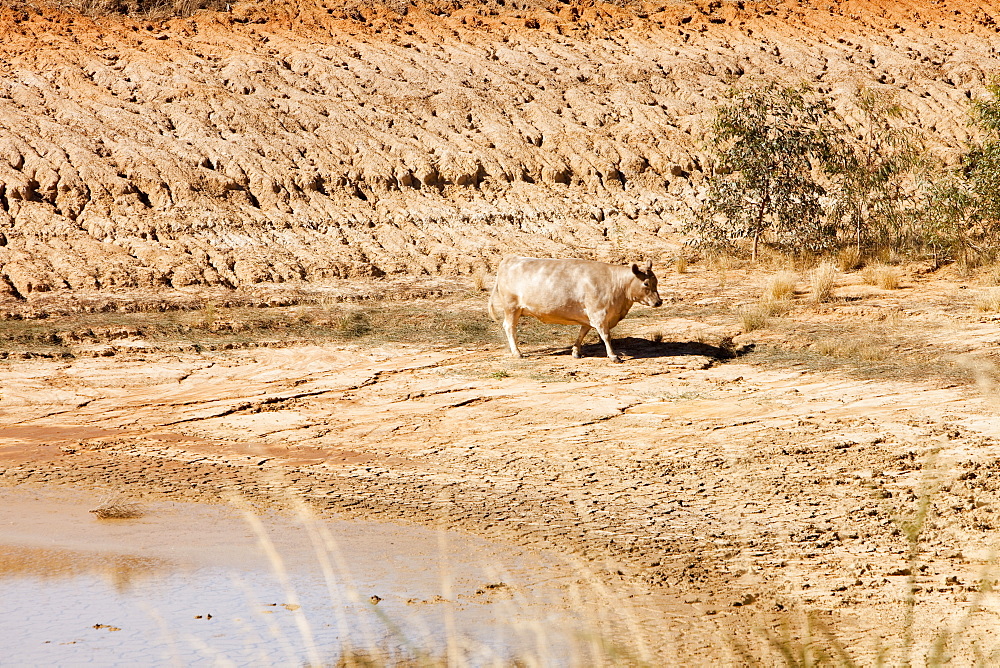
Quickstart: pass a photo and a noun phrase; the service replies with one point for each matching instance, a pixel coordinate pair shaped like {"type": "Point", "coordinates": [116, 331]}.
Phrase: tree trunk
{"type": "Point", "coordinates": [758, 225]}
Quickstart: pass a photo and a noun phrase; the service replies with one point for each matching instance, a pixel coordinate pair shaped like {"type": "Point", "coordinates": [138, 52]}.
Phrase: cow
{"type": "Point", "coordinates": [570, 292]}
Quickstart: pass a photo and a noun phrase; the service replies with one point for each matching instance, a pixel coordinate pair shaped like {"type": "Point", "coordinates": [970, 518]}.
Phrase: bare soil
{"type": "Point", "coordinates": [751, 475]}
{"type": "Point", "coordinates": [242, 251]}
{"type": "Point", "coordinates": [283, 141]}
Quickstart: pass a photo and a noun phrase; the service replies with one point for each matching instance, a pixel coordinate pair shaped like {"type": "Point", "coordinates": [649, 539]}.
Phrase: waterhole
{"type": "Point", "coordinates": [194, 584]}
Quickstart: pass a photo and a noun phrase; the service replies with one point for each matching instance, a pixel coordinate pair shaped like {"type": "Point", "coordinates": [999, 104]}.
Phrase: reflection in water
{"type": "Point", "coordinates": [147, 592]}
{"type": "Point", "coordinates": [121, 571]}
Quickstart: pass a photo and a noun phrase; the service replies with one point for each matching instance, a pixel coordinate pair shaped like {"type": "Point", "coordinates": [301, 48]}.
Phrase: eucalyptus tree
{"type": "Point", "coordinates": [875, 197]}
{"type": "Point", "coordinates": [962, 213]}
{"type": "Point", "coordinates": [774, 149]}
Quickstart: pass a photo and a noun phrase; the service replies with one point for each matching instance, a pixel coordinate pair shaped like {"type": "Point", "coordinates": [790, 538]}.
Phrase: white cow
{"type": "Point", "coordinates": [570, 292]}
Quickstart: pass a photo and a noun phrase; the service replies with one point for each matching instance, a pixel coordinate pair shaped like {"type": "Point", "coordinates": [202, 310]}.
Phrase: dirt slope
{"type": "Point", "coordinates": [287, 141]}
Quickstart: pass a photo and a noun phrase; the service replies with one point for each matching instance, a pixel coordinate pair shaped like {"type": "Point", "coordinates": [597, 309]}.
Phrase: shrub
{"type": "Point", "coordinates": [874, 189]}
{"type": "Point", "coordinates": [961, 215]}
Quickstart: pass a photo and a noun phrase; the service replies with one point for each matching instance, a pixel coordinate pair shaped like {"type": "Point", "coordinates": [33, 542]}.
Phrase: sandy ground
{"type": "Point", "coordinates": [753, 489]}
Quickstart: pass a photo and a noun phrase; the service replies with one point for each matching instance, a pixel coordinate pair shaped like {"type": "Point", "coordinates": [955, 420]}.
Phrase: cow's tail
{"type": "Point", "coordinates": [491, 305]}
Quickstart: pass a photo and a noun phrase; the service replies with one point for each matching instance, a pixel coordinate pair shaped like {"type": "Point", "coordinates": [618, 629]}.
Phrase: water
{"type": "Point", "coordinates": [192, 585]}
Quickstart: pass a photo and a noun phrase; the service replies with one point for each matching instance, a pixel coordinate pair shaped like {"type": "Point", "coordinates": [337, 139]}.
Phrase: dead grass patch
{"type": "Point", "coordinates": [753, 317]}
{"type": "Point", "coordinates": [823, 280]}
{"type": "Point", "coordinates": [849, 259]}
{"type": "Point", "coordinates": [853, 349]}
{"type": "Point", "coordinates": [152, 10]}
{"type": "Point", "coordinates": [988, 301]}
{"type": "Point", "coordinates": [219, 327]}
{"type": "Point", "coordinates": [115, 506]}
{"type": "Point", "coordinates": [884, 276]}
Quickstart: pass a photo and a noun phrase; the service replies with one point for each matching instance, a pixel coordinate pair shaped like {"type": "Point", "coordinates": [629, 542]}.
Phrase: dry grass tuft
{"type": "Point", "coordinates": [771, 307]}
{"type": "Point", "coordinates": [753, 317]}
{"type": "Point", "coordinates": [480, 279]}
{"type": "Point", "coordinates": [680, 264]}
{"type": "Point", "coordinates": [990, 275]}
{"type": "Point", "coordinates": [823, 281]}
{"type": "Point", "coordinates": [780, 287]}
{"type": "Point", "coordinates": [849, 259]}
{"type": "Point", "coordinates": [884, 276]}
{"type": "Point", "coordinates": [775, 300]}
{"type": "Point", "coordinates": [353, 324]}
{"type": "Point", "coordinates": [888, 278]}
{"type": "Point", "coordinates": [857, 350]}
{"type": "Point", "coordinates": [720, 265]}
{"type": "Point", "coordinates": [988, 301]}
{"type": "Point", "coordinates": [116, 507]}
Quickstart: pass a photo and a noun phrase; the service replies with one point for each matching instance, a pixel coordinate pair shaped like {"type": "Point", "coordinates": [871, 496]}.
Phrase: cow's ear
{"type": "Point", "coordinates": [649, 266]}
{"type": "Point", "coordinates": [635, 270]}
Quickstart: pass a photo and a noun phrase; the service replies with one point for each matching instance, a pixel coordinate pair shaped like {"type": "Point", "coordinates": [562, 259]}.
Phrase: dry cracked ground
{"type": "Point", "coordinates": [732, 483]}
{"type": "Point", "coordinates": [243, 251]}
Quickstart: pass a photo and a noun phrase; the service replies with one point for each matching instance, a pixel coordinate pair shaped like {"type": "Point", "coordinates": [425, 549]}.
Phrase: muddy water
{"type": "Point", "coordinates": [190, 584]}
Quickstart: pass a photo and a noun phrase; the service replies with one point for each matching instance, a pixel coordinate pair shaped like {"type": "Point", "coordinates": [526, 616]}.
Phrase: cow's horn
{"type": "Point", "coordinates": [649, 266]}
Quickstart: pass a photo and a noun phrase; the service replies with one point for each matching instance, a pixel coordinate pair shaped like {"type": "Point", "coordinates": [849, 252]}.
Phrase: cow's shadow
{"type": "Point", "coordinates": [631, 346]}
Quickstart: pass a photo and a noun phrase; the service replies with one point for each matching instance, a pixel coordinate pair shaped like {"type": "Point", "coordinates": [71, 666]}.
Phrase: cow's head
{"type": "Point", "coordinates": [644, 285]}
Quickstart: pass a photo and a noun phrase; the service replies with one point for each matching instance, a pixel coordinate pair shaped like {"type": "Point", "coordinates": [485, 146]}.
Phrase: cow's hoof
{"type": "Point", "coordinates": [577, 354]}
{"type": "Point", "coordinates": [615, 359]}
{"type": "Point", "coordinates": [517, 356]}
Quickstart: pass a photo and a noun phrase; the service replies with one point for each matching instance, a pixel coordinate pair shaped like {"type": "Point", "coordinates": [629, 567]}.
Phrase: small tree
{"type": "Point", "coordinates": [962, 213]}
{"type": "Point", "coordinates": [952, 208]}
{"type": "Point", "coordinates": [771, 147]}
{"type": "Point", "coordinates": [875, 193]}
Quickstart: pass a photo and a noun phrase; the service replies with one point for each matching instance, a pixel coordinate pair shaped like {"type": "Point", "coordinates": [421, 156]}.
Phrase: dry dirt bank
{"type": "Point", "coordinates": [287, 140]}
{"type": "Point", "coordinates": [746, 486]}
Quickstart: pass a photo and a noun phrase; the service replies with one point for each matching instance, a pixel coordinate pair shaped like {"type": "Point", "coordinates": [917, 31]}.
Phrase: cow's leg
{"type": "Point", "coordinates": [577, 352]}
{"type": "Point", "coordinates": [605, 333]}
{"type": "Point", "coordinates": [510, 319]}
